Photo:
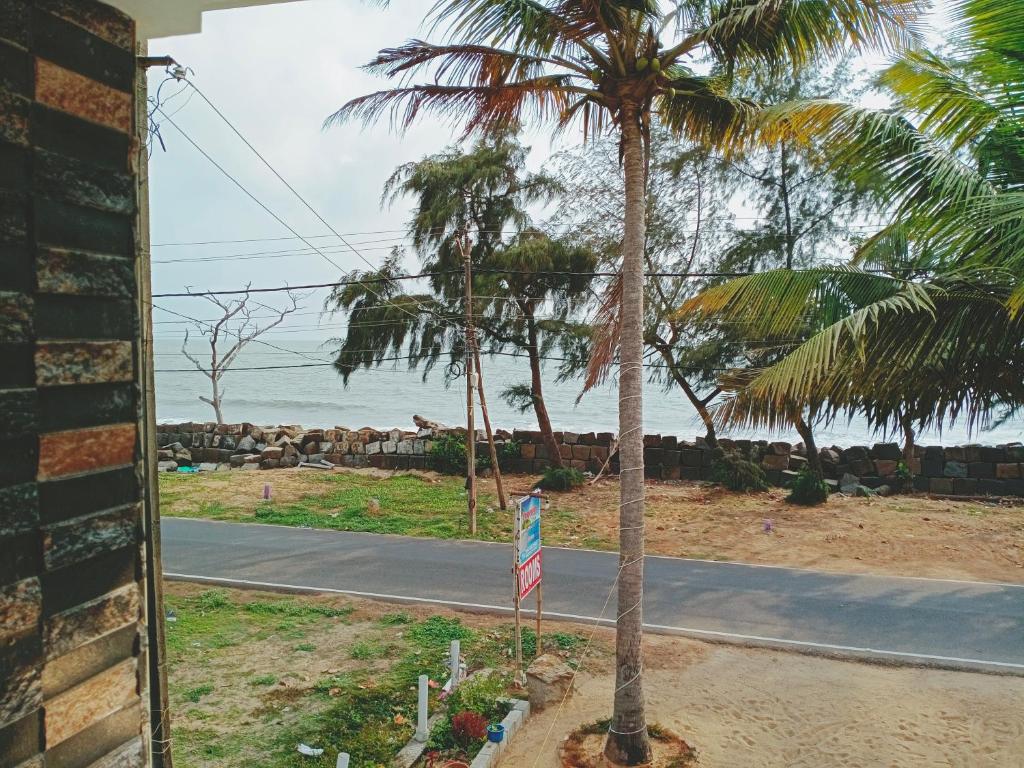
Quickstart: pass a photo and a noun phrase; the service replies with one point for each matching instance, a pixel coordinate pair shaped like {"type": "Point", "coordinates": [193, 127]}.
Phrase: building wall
{"type": "Point", "coordinates": [72, 639]}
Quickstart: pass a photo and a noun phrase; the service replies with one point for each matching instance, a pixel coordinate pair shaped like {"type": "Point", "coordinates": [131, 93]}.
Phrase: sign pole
{"type": "Point", "coordinates": [517, 524]}
{"type": "Point", "coordinates": [540, 603]}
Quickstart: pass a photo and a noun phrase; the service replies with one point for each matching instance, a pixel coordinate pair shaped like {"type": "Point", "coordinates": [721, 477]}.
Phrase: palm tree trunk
{"type": "Point", "coordinates": [908, 445]}
{"type": "Point", "coordinates": [537, 394]}
{"type": "Point", "coordinates": [628, 742]}
{"type": "Point", "coordinates": [807, 435]}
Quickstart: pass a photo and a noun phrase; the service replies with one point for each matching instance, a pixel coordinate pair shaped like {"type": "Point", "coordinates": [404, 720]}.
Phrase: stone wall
{"type": "Point", "coordinates": [72, 645]}
{"type": "Point", "coordinates": [961, 470]}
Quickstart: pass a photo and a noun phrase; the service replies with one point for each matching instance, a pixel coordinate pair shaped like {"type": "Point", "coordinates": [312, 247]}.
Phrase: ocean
{"type": "Point", "coordinates": [388, 397]}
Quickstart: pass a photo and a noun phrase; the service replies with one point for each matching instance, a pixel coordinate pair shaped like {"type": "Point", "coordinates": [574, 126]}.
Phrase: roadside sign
{"type": "Point", "coordinates": [529, 575]}
{"type": "Point", "coordinates": [526, 566]}
{"type": "Point", "coordinates": [529, 528]}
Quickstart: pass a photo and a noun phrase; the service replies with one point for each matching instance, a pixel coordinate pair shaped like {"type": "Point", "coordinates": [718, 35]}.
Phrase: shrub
{"type": "Point", "coordinates": [448, 453]}
{"type": "Point", "coordinates": [510, 451]}
{"type": "Point", "coordinates": [468, 728]}
{"type": "Point", "coordinates": [483, 694]}
{"type": "Point", "coordinates": [807, 489]}
{"type": "Point", "coordinates": [561, 479]}
{"type": "Point", "coordinates": [737, 472]}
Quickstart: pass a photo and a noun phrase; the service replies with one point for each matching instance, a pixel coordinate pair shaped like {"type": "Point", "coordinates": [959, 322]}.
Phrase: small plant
{"type": "Point", "coordinates": [904, 477]}
{"type": "Point", "coordinates": [737, 472]}
{"type": "Point", "coordinates": [807, 489]}
{"type": "Point", "coordinates": [394, 619]}
{"type": "Point", "coordinates": [212, 600]}
{"type": "Point", "coordinates": [263, 680]}
{"type": "Point", "coordinates": [439, 631]}
{"type": "Point", "coordinates": [561, 479]}
{"type": "Point", "coordinates": [365, 649]}
{"type": "Point", "coordinates": [441, 737]}
{"type": "Point", "coordinates": [195, 694]}
{"type": "Point", "coordinates": [306, 647]}
{"type": "Point", "coordinates": [469, 728]}
{"type": "Point", "coordinates": [482, 694]}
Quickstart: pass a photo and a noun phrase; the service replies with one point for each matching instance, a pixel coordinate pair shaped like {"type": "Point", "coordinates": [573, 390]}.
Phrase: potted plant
{"type": "Point", "coordinates": [495, 732]}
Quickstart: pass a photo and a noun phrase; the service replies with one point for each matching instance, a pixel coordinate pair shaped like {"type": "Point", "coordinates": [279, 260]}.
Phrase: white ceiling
{"type": "Point", "coordinates": [164, 18]}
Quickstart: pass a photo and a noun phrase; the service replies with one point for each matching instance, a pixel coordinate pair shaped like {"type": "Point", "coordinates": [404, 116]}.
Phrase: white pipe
{"type": "Point", "coordinates": [421, 716]}
{"type": "Point", "coordinates": [454, 663]}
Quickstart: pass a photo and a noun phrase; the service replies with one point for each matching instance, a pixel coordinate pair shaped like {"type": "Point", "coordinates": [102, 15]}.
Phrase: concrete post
{"type": "Point", "coordinates": [454, 663]}
{"type": "Point", "coordinates": [342, 760]}
{"type": "Point", "coordinates": [422, 714]}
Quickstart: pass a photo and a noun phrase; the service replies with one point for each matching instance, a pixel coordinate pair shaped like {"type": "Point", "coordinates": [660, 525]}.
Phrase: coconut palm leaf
{"type": "Point", "coordinates": [782, 30]}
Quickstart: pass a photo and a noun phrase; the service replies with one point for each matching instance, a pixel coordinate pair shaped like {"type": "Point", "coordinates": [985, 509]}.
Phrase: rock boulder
{"type": "Point", "coordinates": [548, 679]}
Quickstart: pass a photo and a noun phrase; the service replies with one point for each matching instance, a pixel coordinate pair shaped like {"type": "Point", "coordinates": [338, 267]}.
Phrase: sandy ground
{"type": "Point", "coordinates": [902, 535]}
{"type": "Point", "coordinates": [744, 708]}
{"type": "Point", "coordinates": [740, 708]}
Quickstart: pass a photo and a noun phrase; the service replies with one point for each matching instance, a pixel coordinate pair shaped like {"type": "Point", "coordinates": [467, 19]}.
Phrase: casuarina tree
{"type": "Point", "coordinates": [527, 286]}
{"type": "Point", "coordinates": [613, 65]}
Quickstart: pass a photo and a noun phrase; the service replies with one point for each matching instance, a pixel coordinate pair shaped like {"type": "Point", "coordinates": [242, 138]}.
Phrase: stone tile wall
{"type": "Point", "coordinates": [72, 668]}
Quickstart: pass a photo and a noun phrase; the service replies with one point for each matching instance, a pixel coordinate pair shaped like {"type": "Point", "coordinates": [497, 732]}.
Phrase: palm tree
{"type": "Point", "coordinates": [614, 65]}
{"type": "Point", "coordinates": [925, 327]}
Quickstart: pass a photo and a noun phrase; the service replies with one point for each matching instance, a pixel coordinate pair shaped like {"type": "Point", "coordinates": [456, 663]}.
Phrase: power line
{"type": "Point", "coordinates": [281, 367]}
{"type": "Point", "coordinates": [272, 239]}
{"type": "Point", "coordinates": [295, 192]}
{"type": "Point", "coordinates": [405, 230]}
{"type": "Point", "coordinates": [242, 187]}
{"type": "Point", "coordinates": [283, 254]}
{"type": "Point", "coordinates": [238, 335]}
{"type": "Point", "coordinates": [365, 280]}
{"type": "Point", "coordinates": [311, 286]}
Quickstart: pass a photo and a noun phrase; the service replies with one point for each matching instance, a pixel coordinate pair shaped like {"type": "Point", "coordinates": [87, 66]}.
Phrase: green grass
{"type": "Point", "coordinates": [368, 711]}
{"type": "Point", "coordinates": [366, 649]}
{"type": "Point", "coordinates": [394, 619]}
{"type": "Point", "coordinates": [410, 505]}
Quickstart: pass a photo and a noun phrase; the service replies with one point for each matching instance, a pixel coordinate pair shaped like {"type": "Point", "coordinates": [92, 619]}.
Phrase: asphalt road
{"type": "Point", "coordinates": [951, 624]}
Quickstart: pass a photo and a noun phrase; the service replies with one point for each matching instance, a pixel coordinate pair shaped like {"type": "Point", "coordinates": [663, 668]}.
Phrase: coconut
{"type": "Point", "coordinates": [655, 65]}
{"type": "Point", "coordinates": [642, 63]}
{"type": "Point", "coordinates": [595, 76]}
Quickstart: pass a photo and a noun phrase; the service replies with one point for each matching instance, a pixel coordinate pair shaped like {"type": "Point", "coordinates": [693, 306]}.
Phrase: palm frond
{"type": "Point", "coordinates": [796, 32]}
{"type": "Point", "coordinates": [604, 346]}
{"type": "Point", "coordinates": [952, 110]}
{"type": "Point", "coordinates": [701, 109]}
{"type": "Point", "coordinates": [782, 302]}
{"type": "Point", "coordinates": [480, 108]}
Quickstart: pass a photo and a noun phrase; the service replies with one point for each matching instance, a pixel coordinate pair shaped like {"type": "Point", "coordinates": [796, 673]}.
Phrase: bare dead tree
{"type": "Point", "coordinates": [237, 327]}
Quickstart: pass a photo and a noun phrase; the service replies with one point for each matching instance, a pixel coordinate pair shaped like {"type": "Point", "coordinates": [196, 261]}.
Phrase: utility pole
{"type": "Point", "coordinates": [470, 383]}
{"type": "Point", "coordinates": [490, 434]}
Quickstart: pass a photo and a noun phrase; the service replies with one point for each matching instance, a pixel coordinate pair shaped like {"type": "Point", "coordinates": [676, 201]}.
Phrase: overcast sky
{"type": "Point", "coordinates": [277, 72]}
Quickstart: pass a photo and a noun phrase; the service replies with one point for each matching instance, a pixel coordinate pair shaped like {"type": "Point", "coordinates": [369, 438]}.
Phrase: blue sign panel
{"type": "Point", "coordinates": [529, 532]}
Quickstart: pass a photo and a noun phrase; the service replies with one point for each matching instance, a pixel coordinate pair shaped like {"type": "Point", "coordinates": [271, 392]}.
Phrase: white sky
{"type": "Point", "coordinates": [277, 72]}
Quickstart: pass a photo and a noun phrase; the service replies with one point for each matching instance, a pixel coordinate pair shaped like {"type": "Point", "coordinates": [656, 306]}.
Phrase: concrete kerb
{"type": "Point", "coordinates": [490, 753]}
{"type": "Point", "coordinates": [414, 749]}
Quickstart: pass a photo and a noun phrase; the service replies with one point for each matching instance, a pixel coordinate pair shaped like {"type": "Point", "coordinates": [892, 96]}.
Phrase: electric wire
{"type": "Point", "coordinates": [484, 270]}
{"type": "Point", "coordinates": [295, 192]}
